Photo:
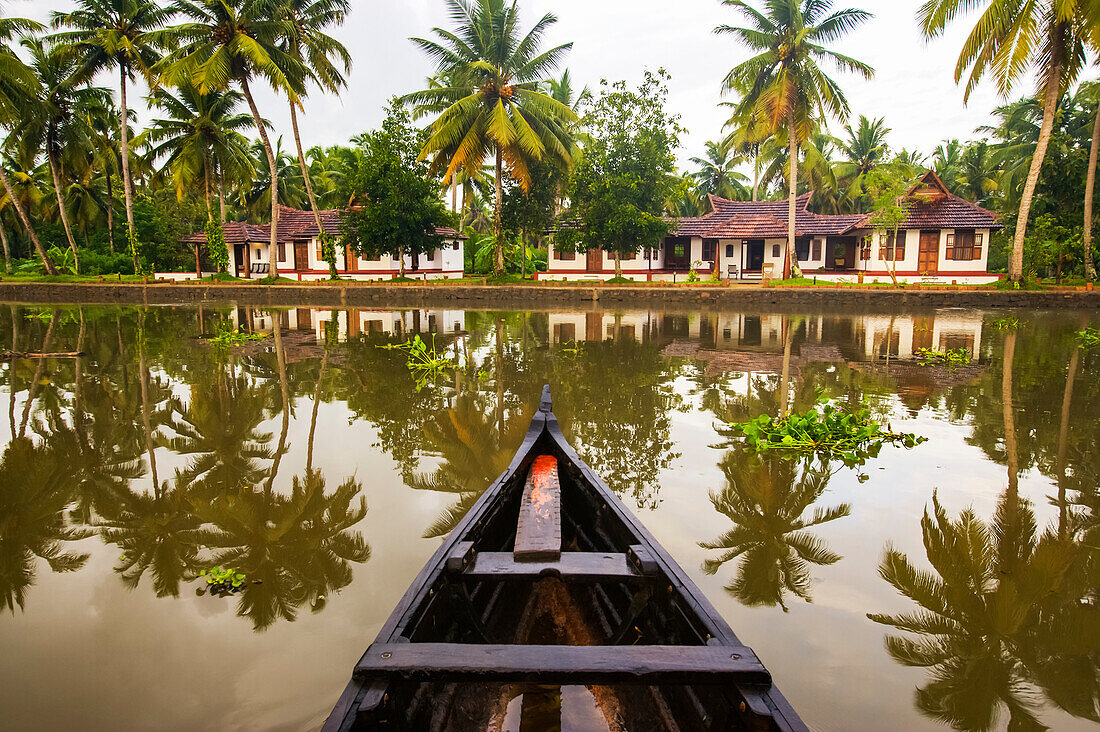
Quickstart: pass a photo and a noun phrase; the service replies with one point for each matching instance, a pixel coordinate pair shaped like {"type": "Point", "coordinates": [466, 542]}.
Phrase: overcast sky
{"type": "Point", "coordinates": [914, 87]}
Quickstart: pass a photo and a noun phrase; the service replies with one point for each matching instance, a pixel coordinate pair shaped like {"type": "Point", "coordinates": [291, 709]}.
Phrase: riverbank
{"type": "Point", "coordinates": [534, 296]}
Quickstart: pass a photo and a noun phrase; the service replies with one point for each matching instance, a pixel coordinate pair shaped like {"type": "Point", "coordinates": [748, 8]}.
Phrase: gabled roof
{"type": "Point", "coordinates": [932, 206]}
{"type": "Point", "coordinates": [294, 225]}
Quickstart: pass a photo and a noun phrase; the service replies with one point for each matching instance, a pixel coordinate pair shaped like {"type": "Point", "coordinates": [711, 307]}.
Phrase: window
{"type": "Point", "coordinates": [775, 251]}
{"type": "Point", "coordinates": [978, 246]}
{"type": "Point", "coordinates": [320, 252]}
{"type": "Point", "coordinates": [680, 249]}
{"type": "Point", "coordinates": [566, 256]}
{"type": "Point", "coordinates": [710, 249]}
{"type": "Point", "coordinates": [817, 249]}
{"type": "Point", "coordinates": [431, 255]}
{"type": "Point", "coordinates": [865, 248]}
{"type": "Point", "coordinates": [729, 251]}
{"type": "Point", "coordinates": [961, 244]}
{"type": "Point", "coordinates": [802, 249]}
{"type": "Point", "coordinates": [282, 252]}
{"type": "Point", "coordinates": [455, 246]}
{"type": "Point", "coordinates": [628, 256]}
{"type": "Point", "coordinates": [886, 247]}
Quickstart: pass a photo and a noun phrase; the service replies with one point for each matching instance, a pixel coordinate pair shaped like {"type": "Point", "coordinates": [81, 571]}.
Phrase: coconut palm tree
{"type": "Point", "coordinates": [865, 150]}
{"type": "Point", "coordinates": [748, 132]}
{"type": "Point", "coordinates": [1010, 40]}
{"type": "Point", "coordinates": [104, 34]}
{"type": "Point", "coordinates": [496, 105]}
{"type": "Point", "coordinates": [783, 82]}
{"type": "Point", "coordinates": [18, 85]}
{"type": "Point", "coordinates": [290, 186]}
{"type": "Point", "coordinates": [717, 173]}
{"type": "Point", "coordinates": [979, 173]}
{"type": "Point", "coordinates": [766, 497]}
{"type": "Point", "coordinates": [315, 52]}
{"type": "Point", "coordinates": [57, 121]}
{"type": "Point", "coordinates": [234, 42]}
{"type": "Point", "coordinates": [1091, 91]}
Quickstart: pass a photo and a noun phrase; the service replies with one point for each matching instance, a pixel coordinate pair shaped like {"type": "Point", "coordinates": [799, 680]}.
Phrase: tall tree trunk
{"type": "Point", "coordinates": [498, 224]}
{"type": "Point", "coordinates": [39, 373]}
{"type": "Point", "coordinates": [1009, 420]}
{"type": "Point", "coordinates": [755, 174]}
{"type": "Point", "coordinates": [784, 391]}
{"type": "Point", "coordinates": [273, 246]}
{"type": "Point", "coordinates": [498, 364]}
{"type": "Point", "coordinates": [1063, 435]}
{"type": "Point", "coordinates": [790, 262]}
{"type": "Point", "coordinates": [302, 165]}
{"type": "Point", "coordinates": [1090, 184]}
{"type": "Point", "coordinates": [618, 264]}
{"type": "Point", "coordinates": [63, 212]}
{"type": "Point", "coordinates": [7, 249]}
{"type": "Point", "coordinates": [284, 389]}
{"type": "Point", "coordinates": [316, 401]}
{"type": "Point", "coordinates": [16, 315]}
{"type": "Point", "coordinates": [46, 262]}
{"type": "Point", "coordinates": [124, 133]}
{"type": "Point", "coordinates": [221, 195]}
{"type": "Point", "coordinates": [209, 211]}
{"type": "Point", "coordinates": [401, 262]}
{"type": "Point", "coordinates": [110, 211]}
{"type": "Point", "coordinates": [1050, 106]}
{"type": "Point", "coordinates": [145, 418]}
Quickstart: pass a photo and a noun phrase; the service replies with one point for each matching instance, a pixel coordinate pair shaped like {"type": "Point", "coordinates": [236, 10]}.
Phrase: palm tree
{"type": "Point", "coordinates": [227, 42]}
{"type": "Point", "coordinates": [103, 34]}
{"type": "Point", "coordinates": [18, 85]}
{"type": "Point", "coordinates": [766, 498]}
{"type": "Point", "coordinates": [748, 132]}
{"type": "Point", "coordinates": [978, 172]}
{"type": "Point", "coordinates": [865, 150]}
{"type": "Point", "coordinates": [783, 82]}
{"type": "Point", "coordinates": [290, 186]}
{"type": "Point", "coordinates": [717, 173]}
{"type": "Point", "coordinates": [57, 121]}
{"type": "Point", "coordinates": [201, 133]}
{"type": "Point", "coordinates": [1007, 41]}
{"type": "Point", "coordinates": [314, 50]}
{"type": "Point", "coordinates": [496, 105]}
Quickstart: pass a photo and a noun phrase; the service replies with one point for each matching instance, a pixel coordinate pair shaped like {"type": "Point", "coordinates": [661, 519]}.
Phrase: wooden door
{"type": "Point", "coordinates": [595, 260]}
{"type": "Point", "coordinates": [301, 256]}
{"type": "Point", "coordinates": [415, 261]}
{"type": "Point", "coordinates": [351, 260]}
{"type": "Point", "coordinates": [928, 257]}
{"type": "Point", "coordinates": [240, 260]}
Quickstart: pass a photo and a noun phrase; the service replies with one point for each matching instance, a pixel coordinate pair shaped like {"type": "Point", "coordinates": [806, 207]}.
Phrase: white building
{"type": "Point", "coordinates": [300, 257]}
{"type": "Point", "coordinates": [945, 239]}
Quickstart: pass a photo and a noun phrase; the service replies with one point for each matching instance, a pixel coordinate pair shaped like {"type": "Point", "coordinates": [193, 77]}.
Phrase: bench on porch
{"type": "Point", "coordinates": [259, 268]}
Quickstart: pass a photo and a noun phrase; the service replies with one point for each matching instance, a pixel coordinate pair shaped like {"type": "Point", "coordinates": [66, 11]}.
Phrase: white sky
{"type": "Point", "coordinates": [913, 88]}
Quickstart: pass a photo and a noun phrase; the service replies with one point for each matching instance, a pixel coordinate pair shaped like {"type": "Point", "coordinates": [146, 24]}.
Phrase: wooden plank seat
{"type": "Point", "coordinates": [259, 268]}
{"type": "Point", "coordinates": [572, 566]}
{"type": "Point", "coordinates": [538, 530]}
{"type": "Point", "coordinates": [712, 664]}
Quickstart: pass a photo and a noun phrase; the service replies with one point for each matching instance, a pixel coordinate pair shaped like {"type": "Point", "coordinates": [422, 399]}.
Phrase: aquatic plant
{"type": "Point", "coordinates": [1088, 337]}
{"type": "Point", "coordinates": [826, 431]}
{"type": "Point", "coordinates": [424, 362]}
{"type": "Point", "coordinates": [1009, 322]}
{"type": "Point", "coordinates": [950, 357]}
{"type": "Point", "coordinates": [222, 581]}
{"type": "Point", "coordinates": [226, 337]}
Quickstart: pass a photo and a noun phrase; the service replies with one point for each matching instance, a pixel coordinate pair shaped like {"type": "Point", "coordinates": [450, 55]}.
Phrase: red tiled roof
{"type": "Point", "coordinates": [939, 209]}
{"type": "Point", "coordinates": [293, 224]}
{"type": "Point", "coordinates": [942, 210]}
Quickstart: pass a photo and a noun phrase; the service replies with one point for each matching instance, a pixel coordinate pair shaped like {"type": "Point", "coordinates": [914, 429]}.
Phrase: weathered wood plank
{"type": "Point", "coordinates": [563, 664]}
{"type": "Point", "coordinates": [538, 530]}
{"type": "Point", "coordinates": [572, 566]}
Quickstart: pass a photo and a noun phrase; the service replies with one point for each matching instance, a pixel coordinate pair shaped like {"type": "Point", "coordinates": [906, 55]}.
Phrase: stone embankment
{"type": "Point", "coordinates": [539, 296]}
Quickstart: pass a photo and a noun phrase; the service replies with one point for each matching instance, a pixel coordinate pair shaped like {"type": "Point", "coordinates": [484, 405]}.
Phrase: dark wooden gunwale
{"type": "Point", "coordinates": [767, 699]}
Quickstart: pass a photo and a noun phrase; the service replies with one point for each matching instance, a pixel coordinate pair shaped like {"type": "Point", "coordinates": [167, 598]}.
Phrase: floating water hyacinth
{"type": "Point", "coordinates": [828, 432]}
{"type": "Point", "coordinates": [950, 357]}
{"type": "Point", "coordinates": [424, 362]}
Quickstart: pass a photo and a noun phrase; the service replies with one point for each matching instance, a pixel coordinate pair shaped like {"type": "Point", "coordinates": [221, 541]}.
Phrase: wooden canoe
{"type": "Point", "coordinates": [550, 587]}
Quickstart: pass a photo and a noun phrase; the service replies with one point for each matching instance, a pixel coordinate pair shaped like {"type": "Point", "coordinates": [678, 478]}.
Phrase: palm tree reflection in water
{"type": "Point", "coordinates": [767, 497]}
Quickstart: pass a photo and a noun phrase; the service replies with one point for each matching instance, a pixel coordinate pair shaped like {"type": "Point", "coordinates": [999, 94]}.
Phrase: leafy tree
{"type": "Point", "coordinates": [783, 83]}
{"type": "Point", "coordinates": [890, 210]}
{"type": "Point", "coordinates": [396, 207]}
{"type": "Point", "coordinates": [619, 188]}
{"type": "Point", "coordinates": [495, 104]}
{"type": "Point", "coordinates": [1008, 40]}
{"type": "Point", "coordinates": [529, 213]}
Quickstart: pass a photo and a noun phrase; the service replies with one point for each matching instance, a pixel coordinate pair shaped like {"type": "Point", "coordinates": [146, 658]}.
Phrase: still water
{"type": "Point", "coordinates": [311, 461]}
